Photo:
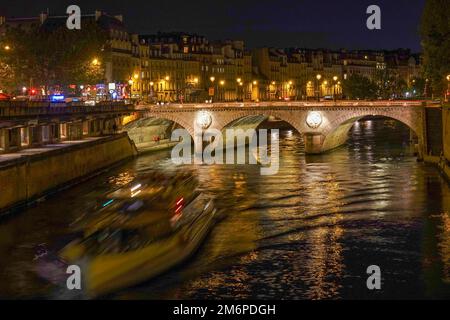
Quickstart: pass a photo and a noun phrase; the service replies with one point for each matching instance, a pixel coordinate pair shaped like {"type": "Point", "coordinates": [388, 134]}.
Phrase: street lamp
{"type": "Point", "coordinates": [7, 48]}
{"type": "Point", "coordinates": [130, 82]}
{"type": "Point", "coordinates": [318, 77]}
{"type": "Point", "coordinates": [95, 62]}
{"type": "Point", "coordinates": [334, 87]}
{"type": "Point", "coordinates": [238, 89]}
{"type": "Point", "coordinates": [212, 79]}
{"type": "Point", "coordinates": [448, 85]}
{"type": "Point", "coordinates": [222, 92]}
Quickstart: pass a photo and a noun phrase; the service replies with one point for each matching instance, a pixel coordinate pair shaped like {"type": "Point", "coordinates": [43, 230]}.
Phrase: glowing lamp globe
{"type": "Point", "coordinates": [314, 119]}
{"type": "Point", "coordinates": [204, 119]}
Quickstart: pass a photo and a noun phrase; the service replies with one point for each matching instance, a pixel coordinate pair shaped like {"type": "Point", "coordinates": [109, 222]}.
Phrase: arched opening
{"type": "Point", "coordinates": [263, 121]}
{"type": "Point", "coordinates": [369, 131]}
{"type": "Point", "coordinates": [149, 134]}
{"type": "Point", "coordinates": [288, 137]}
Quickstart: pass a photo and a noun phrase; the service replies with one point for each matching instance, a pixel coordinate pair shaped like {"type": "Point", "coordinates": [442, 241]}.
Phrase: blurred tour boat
{"type": "Point", "coordinates": [138, 234]}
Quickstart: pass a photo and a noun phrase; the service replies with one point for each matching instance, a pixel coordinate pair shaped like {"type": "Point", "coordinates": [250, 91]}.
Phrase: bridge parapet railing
{"type": "Point", "coordinates": [269, 104]}
{"type": "Point", "coordinates": [46, 108]}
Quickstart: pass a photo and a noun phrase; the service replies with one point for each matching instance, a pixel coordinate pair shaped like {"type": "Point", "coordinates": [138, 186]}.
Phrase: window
{"type": "Point", "coordinates": [63, 130]}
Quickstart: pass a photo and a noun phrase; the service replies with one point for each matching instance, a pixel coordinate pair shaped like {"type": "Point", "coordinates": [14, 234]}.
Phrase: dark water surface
{"type": "Point", "coordinates": [309, 232]}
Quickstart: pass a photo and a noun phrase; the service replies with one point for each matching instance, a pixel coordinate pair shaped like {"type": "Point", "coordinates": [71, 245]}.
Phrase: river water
{"type": "Point", "coordinates": [308, 232]}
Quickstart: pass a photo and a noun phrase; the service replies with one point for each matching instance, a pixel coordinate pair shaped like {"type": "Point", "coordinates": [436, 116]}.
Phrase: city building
{"type": "Point", "coordinates": [185, 67]}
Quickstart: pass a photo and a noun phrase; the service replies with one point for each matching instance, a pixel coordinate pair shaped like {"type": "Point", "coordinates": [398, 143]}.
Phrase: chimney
{"type": "Point", "coordinates": [42, 17]}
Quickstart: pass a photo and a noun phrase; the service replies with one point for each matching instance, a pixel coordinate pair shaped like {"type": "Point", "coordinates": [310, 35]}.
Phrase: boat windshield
{"type": "Point", "coordinates": [108, 241]}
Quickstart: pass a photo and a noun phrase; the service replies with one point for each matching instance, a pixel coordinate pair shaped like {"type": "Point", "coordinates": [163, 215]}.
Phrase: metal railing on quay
{"type": "Point", "coordinates": [34, 108]}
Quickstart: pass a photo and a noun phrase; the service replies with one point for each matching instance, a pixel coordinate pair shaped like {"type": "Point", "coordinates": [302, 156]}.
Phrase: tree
{"type": "Point", "coordinates": [418, 86]}
{"type": "Point", "coordinates": [50, 57]}
{"type": "Point", "coordinates": [383, 80]}
{"type": "Point", "coordinates": [359, 87]}
{"type": "Point", "coordinates": [435, 32]}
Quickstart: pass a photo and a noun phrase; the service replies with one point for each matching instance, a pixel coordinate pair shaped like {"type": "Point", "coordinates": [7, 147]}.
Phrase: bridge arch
{"type": "Point", "coordinates": [335, 133]}
{"type": "Point", "coordinates": [226, 121]}
{"type": "Point", "coordinates": [145, 126]}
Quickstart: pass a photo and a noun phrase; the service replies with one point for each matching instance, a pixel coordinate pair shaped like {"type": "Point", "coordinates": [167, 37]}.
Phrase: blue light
{"type": "Point", "coordinates": [57, 98]}
{"type": "Point", "coordinates": [107, 203]}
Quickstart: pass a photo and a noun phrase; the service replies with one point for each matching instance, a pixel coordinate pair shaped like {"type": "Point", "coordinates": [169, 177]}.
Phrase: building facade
{"type": "Point", "coordinates": [184, 67]}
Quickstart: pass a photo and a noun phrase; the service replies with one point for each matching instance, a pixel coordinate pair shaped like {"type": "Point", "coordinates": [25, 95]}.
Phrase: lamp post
{"type": "Point", "coordinates": [212, 79]}
{"type": "Point", "coordinates": [448, 87]}
{"type": "Point", "coordinates": [222, 90]}
{"type": "Point", "coordinates": [318, 77]}
{"type": "Point", "coordinates": [130, 82]}
{"type": "Point", "coordinates": [254, 86]}
{"type": "Point", "coordinates": [334, 87]}
{"type": "Point", "coordinates": [238, 89]}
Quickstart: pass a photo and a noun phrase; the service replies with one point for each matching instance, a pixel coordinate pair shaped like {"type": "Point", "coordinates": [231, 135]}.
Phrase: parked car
{"type": "Point", "coordinates": [4, 97]}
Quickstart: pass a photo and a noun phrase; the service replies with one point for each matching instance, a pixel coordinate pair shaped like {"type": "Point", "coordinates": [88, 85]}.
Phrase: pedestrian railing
{"type": "Point", "coordinates": [32, 108]}
{"type": "Point", "coordinates": [269, 104]}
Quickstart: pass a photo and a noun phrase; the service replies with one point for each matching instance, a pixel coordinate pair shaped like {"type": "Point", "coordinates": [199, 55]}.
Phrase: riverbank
{"type": "Point", "coordinates": [155, 146]}
{"type": "Point", "coordinates": [32, 173]}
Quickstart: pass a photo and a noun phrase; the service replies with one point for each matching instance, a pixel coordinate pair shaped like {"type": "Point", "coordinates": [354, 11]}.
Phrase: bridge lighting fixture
{"type": "Point", "coordinates": [204, 119]}
{"type": "Point", "coordinates": [319, 76]}
{"type": "Point", "coordinates": [314, 119]}
{"type": "Point", "coordinates": [212, 79]}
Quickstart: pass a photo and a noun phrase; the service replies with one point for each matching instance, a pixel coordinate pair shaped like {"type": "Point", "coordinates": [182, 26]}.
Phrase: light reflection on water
{"type": "Point", "coordinates": [308, 232]}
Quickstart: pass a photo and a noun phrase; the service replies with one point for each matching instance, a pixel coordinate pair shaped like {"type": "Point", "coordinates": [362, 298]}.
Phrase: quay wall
{"type": "Point", "coordinates": [27, 178]}
{"type": "Point", "coordinates": [438, 139]}
{"type": "Point", "coordinates": [445, 163]}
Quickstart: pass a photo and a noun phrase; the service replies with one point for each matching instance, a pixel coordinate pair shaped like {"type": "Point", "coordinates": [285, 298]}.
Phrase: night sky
{"type": "Point", "coordinates": [278, 23]}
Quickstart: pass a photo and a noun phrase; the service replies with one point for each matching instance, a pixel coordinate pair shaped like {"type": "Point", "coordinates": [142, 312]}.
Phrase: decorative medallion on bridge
{"type": "Point", "coordinates": [204, 119]}
{"type": "Point", "coordinates": [314, 119]}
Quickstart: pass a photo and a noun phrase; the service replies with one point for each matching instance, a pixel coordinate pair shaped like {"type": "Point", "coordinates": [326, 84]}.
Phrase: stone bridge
{"type": "Point", "coordinates": [323, 125]}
